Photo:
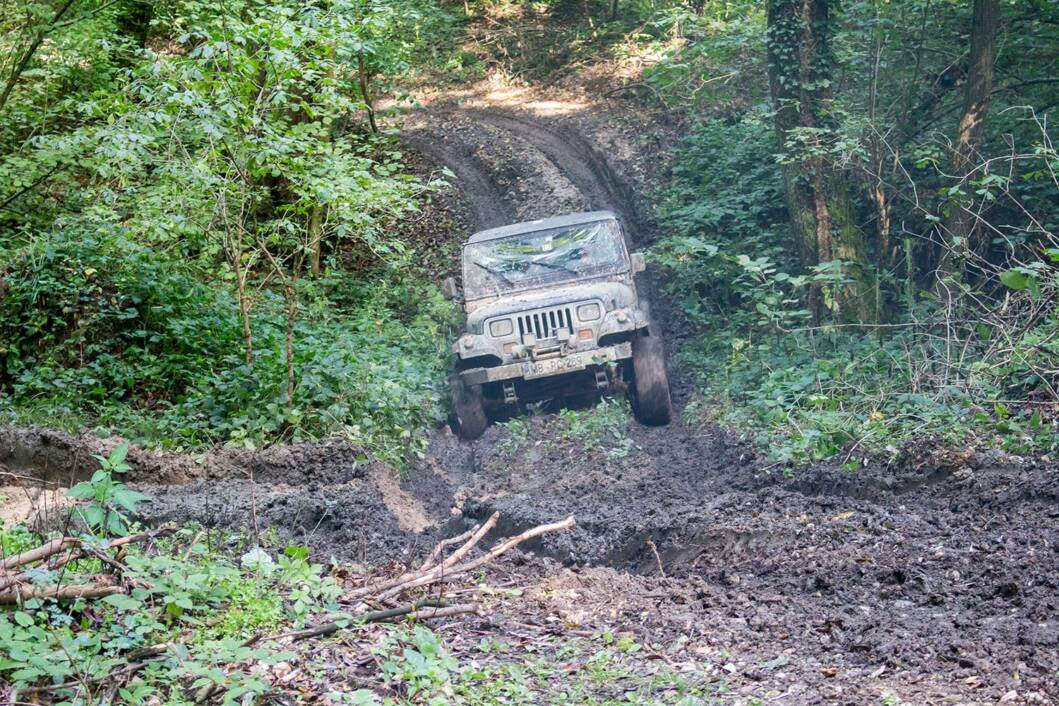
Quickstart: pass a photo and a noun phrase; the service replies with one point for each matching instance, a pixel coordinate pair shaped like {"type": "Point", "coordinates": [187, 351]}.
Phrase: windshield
{"type": "Point", "coordinates": [543, 257]}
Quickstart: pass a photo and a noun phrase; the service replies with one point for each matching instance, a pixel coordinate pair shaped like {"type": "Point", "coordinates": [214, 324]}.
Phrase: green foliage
{"type": "Point", "coordinates": [104, 498]}
{"type": "Point", "coordinates": [134, 341]}
{"type": "Point", "coordinates": [202, 603]}
{"type": "Point", "coordinates": [421, 670]}
{"type": "Point", "coordinates": [604, 427]}
{"type": "Point", "coordinates": [183, 175]}
{"type": "Point", "coordinates": [516, 434]}
{"type": "Point", "coordinates": [810, 393]}
{"type": "Point", "coordinates": [422, 666]}
{"type": "Point", "coordinates": [725, 221]}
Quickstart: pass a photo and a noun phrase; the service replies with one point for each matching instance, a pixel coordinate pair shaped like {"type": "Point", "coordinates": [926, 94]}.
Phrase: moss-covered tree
{"type": "Point", "coordinates": [822, 211]}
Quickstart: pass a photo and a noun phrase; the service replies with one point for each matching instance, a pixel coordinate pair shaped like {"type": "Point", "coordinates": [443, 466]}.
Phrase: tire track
{"type": "Point", "coordinates": [477, 187]}
{"type": "Point", "coordinates": [581, 162]}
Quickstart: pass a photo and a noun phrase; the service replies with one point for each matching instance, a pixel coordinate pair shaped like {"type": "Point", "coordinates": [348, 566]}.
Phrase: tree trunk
{"type": "Point", "coordinates": [821, 207]}
{"type": "Point", "coordinates": [962, 237]}
{"type": "Point", "coordinates": [292, 317]}
{"type": "Point", "coordinates": [244, 304]}
{"type": "Point", "coordinates": [27, 56]}
{"type": "Point", "coordinates": [362, 76]}
{"type": "Point", "coordinates": [316, 239]}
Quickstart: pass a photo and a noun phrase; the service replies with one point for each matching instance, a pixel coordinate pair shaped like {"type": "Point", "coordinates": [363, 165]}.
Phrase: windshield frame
{"type": "Point", "coordinates": [619, 268]}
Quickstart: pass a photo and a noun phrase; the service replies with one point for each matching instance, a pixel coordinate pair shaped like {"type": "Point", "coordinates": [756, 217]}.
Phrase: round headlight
{"type": "Point", "coordinates": [589, 312]}
{"type": "Point", "coordinates": [501, 328]}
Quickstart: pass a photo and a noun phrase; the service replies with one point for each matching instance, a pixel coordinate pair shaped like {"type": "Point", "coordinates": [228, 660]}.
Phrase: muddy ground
{"type": "Point", "coordinates": [930, 579]}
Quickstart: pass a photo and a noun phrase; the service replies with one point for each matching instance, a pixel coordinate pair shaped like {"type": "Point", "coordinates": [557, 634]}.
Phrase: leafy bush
{"type": "Point", "coordinates": [604, 427]}
{"type": "Point", "coordinates": [97, 327]}
{"type": "Point", "coordinates": [723, 199]}
{"type": "Point", "coordinates": [196, 602]}
{"type": "Point", "coordinates": [810, 393]}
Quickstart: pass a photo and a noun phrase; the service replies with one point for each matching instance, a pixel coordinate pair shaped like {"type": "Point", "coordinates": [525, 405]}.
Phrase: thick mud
{"type": "Point", "coordinates": [934, 578]}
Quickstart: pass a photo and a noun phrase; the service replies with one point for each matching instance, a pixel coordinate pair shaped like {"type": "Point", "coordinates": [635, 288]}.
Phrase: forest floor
{"type": "Point", "coordinates": [930, 579]}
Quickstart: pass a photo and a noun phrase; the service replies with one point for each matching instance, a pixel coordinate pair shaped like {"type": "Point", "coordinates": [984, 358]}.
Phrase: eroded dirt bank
{"type": "Point", "coordinates": [934, 579]}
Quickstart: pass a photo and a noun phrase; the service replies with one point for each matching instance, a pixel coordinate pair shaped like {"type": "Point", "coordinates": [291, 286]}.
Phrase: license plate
{"type": "Point", "coordinates": [552, 366]}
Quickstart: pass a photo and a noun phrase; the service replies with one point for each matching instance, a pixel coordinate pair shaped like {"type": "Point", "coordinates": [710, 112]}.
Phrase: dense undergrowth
{"type": "Point", "coordinates": [965, 352]}
{"type": "Point", "coordinates": [101, 331]}
{"type": "Point", "coordinates": [204, 225]}
{"type": "Point", "coordinates": [970, 370]}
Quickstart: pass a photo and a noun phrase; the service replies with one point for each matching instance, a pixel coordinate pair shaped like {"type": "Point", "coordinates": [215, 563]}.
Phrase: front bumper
{"type": "Point", "coordinates": [572, 362]}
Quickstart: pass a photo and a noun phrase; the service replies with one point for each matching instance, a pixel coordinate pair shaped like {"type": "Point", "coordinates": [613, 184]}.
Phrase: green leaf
{"type": "Point", "coordinates": [123, 602]}
{"type": "Point", "coordinates": [1015, 279]}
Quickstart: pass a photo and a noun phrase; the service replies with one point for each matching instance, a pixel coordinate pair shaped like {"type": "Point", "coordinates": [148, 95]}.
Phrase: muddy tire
{"type": "Point", "coordinates": [468, 409]}
{"type": "Point", "coordinates": [651, 403]}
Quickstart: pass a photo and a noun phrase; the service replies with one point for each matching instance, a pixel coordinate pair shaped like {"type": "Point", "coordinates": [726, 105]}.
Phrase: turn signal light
{"type": "Point", "coordinates": [509, 348]}
{"type": "Point", "coordinates": [585, 334]}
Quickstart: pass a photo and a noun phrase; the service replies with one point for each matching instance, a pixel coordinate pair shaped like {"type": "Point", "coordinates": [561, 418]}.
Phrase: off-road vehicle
{"type": "Point", "coordinates": [552, 312]}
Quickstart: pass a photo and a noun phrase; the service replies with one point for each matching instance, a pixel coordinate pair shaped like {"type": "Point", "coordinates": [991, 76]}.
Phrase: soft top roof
{"type": "Point", "coordinates": [572, 219]}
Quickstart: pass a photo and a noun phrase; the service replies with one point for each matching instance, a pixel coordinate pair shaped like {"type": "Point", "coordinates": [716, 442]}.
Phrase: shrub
{"type": "Point", "coordinates": [97, 327]}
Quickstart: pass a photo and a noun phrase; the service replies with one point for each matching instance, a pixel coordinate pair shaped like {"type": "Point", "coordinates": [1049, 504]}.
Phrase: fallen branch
{"type": "Point", "coordinates": [42, 552]}
{"type": "Point", "coordinates": [23, 592]}
{"type": "Point", "coordinates": [77, 551]}
{"type": "Point", "coordinates": [461, 569]}
{"type": "Point", "coordinates": [440, 547]}
{"type": "Point", "coordinates": [476, 535]}
{"type": "Point", "coordinates": [420, 610]}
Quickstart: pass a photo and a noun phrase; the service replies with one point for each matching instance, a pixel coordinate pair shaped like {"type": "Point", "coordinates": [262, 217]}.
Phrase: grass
{"type": "Point", "coordinates": [601, 428]}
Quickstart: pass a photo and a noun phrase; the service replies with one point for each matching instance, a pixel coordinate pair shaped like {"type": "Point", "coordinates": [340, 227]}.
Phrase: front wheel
{"type": "Point", "coordinates": [651, 403]}
{"type": "Point", "coordinates": [468, 409]}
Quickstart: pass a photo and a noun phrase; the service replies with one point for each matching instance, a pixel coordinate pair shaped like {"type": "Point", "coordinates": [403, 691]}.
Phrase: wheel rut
{"type": "Point", "coordinates": [584, 164]}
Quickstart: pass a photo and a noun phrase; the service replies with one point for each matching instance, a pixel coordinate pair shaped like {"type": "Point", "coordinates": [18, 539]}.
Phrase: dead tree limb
{"type": "Point", "coordinates": [420, 610]}
{"type": "Point", "coordinates": [76, 550]}
{"type": "Point", "coordinates": [42, 552]}
{"type": "Point", "coordinates": [23, 592]}
{"type": "Point", "coordinates": [460, 569]}
{"type": "Point", "coordinates": [440, 547]}
{"type": "Point", "coordinates": [475, 537]}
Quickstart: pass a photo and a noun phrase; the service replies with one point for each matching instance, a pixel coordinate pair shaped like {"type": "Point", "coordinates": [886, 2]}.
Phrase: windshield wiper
{"type": "Point", "coordinates": [495, 273]}
{"type": "Point", "coordinates": [554, 266]}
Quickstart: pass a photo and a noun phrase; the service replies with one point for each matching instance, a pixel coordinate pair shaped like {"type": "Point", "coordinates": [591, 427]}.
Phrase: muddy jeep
{"type": "Point", "coordinates": [553, 313]}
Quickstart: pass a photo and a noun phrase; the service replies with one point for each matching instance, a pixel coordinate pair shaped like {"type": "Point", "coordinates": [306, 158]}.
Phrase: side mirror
{"type": "Point", "coordinates": [638, 261]}
{"type": "Point", "coordinates": [448, 288]}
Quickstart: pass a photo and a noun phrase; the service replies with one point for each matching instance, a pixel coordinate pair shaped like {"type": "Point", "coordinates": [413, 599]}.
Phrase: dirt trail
{"type": "Point", "coordinates": [934, 579]}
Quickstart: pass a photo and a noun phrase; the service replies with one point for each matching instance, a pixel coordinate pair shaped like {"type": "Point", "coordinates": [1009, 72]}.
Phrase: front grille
{"type": "Point", "coordinates": [544, 323]}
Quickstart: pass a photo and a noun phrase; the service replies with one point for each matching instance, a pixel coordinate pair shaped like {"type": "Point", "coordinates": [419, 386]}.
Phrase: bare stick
{"type": "Point", "coordinates": [49, 549]}
{"type": "Point", "coordinates": [470, 543]}
{"type": "Point", "coordinates": [658, 559]}
{"type": "Point", "coordinates": [501, 548]}
{"type": "Point", "coordinates": [446, 611]}
{"type": "Point", "coordinates": [376, 616]}
{"type": "Point", "coordinates": [390, 584]}
{"type": "Point", "coordinates": [440, 547]}
{"type": "Point", "coordinates": [42, 552]}
{"type": "Point", "coordinates": [21, 592]}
